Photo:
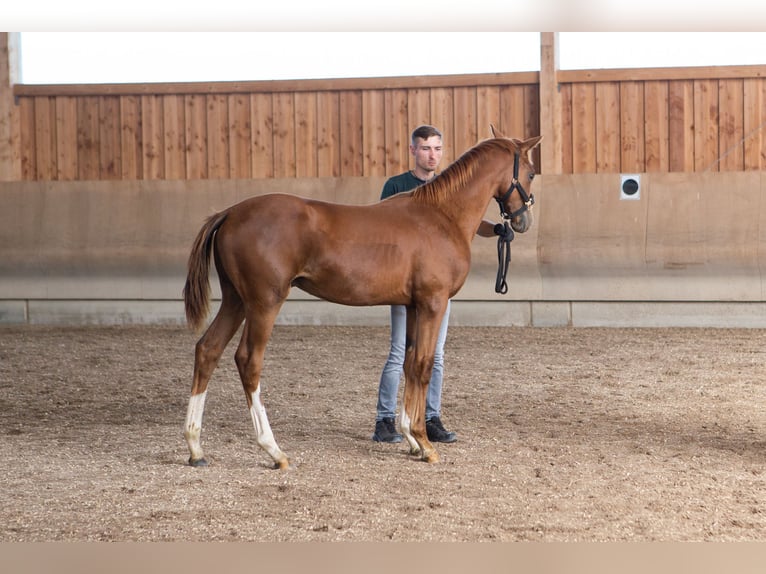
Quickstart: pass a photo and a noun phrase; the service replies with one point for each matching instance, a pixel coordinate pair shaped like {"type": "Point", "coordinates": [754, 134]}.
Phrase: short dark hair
{"type": "Point", "coordinates": [424, 132]}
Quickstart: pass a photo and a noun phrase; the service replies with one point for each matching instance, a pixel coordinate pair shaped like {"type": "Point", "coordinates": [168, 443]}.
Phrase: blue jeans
{"type": "Point", "coordinates": [394, 367]}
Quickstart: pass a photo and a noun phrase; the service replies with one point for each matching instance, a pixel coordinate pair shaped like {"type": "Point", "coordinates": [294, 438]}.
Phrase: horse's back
{"type": "Point", "coordinates": [396, 216]}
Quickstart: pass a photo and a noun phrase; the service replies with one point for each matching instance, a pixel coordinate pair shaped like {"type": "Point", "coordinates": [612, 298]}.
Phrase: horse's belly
{"type": "Point", "coordinates": [357, 292]}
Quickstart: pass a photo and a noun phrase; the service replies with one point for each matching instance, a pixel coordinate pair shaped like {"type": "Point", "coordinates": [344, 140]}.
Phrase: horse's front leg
{"type": "Point", "coordinates": [413, 418]}
{"type": "Point", "coordinates": [422, 331]}
{"type": "Point", "coordinates": [405, 424]}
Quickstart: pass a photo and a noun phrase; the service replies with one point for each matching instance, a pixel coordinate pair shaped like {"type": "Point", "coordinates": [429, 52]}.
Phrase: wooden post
{"type": "Point", "coordinates": [550, 104]}
{"type": "Point", "coordinates": [10, 124]}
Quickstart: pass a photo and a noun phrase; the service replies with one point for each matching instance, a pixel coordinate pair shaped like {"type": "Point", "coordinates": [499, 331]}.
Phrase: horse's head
{"type": "Point", "coordinates": [515, 199]}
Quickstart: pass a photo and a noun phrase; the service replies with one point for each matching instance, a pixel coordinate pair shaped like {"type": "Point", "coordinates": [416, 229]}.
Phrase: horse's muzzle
{"type": "Point", "coordinates": [521, 223]}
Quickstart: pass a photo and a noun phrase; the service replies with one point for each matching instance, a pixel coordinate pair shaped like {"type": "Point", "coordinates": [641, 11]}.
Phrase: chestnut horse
{"type": "Point", "coordinates": [412, 249]}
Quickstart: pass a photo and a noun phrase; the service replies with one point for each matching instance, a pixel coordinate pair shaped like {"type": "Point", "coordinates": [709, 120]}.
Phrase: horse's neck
{"type": "Point", "coordinates": [469, 204]}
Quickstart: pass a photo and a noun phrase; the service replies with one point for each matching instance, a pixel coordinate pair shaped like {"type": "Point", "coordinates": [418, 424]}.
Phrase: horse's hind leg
{"type": "Point", "coordinates": [249, 358]}
{"type": "Point", "coordinates": [207, 353]}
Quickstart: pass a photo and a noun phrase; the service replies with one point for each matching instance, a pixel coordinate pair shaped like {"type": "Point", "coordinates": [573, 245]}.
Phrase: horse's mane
{"type": "Point", "coordinates": [459, 172]}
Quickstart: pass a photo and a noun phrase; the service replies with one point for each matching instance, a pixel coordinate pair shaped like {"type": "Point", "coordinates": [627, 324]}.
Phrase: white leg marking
{"type": "Point", "coordinates": [263, 434]}
{"type": "Point", "coordinates": [193, 427]}
{"type": "Point", "coordinates": [405, 425]}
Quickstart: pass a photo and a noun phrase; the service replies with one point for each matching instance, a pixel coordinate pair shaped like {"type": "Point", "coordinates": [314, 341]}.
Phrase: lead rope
{"type": "Point", "coordinates": [504, 238]}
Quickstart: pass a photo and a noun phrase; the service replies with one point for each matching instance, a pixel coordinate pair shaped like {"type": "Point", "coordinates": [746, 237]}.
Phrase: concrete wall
{"type": "Point", "coordinates": [688, 252]}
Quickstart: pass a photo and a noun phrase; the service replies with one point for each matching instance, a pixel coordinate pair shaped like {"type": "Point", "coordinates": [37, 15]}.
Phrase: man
{"type": "Point", "coordinates": [426, 149]}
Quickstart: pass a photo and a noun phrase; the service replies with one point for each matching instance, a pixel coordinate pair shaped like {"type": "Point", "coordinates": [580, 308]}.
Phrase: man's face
{"type": "Point", "coordinates": [427, 153]}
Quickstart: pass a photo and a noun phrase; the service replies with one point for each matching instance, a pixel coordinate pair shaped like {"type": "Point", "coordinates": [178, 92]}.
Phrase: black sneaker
{"type": "Point", "coordinates": [437, 433]}
{"type": "Point", "coordinates": [385, 431]}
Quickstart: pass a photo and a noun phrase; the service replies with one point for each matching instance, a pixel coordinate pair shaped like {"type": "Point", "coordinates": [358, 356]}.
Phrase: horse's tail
{"type": "Point", "coordinates": [197, 289]}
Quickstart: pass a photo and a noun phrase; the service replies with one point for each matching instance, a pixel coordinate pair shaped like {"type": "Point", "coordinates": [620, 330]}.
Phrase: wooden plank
{"type": "Point", "coordinates": [656, 126]}
{"type": "Point", "coordinates": [306, 162]}
{"type": "Point", "coordinates": [761, 127]}
{"type": "Point", "coordinates": [110, 156]}
{"type": "Point", "coordinates": [632, 127]}
{"type": "Point", "coordinates": [397, 132]}
{"type": "Point", "coordinates": [608, 127]}
{"type": "Point", "coordinates": [549, 110]}
{"type": "Point", "coordinates": [152, 137]}
{"type": "Point", "coordinates": [424, 82]}
{"type": "Point", "coordinates": [174, 136]}
{"type": "Point", "coordinates": [681, 126]}
{"type": "Point", "coordinates": [195, 119]}
{"type": "Point", "coordinates": [66, 138]}
{"type": "Point", "coordinates": [262, 127]}
{"type": "Point", "coordinates": [731, 125]}
{"type": "Point", "coordinates": [512, 111]}
{"type": "Point", "coordinates": [27, 139]}
{"type": "Point", "coordinates": [10, 120]}
{"type": "Point", "coordinates": [465, 125]}
{"type": "Point", "coordinates": [584, 128]}
{"type": "Point", "coordinates": [532, 120]}
{"type": "Point", "coordinates": [487, 110]}
{"type": "Point", "coordinates": [306, 134]}
{"type": "Point", "coordinates": [419, 108]}
{"type": "Point", "coordinates": [754, 103]}
{"type": "Point", "coordinates": [351, 134]}
{"type": "Point", "coordinates": [240, 136]}
{"type": "Point", "coordinates": [567, 143]}
{"type": "Point", "coordinates": [328, 134]}
{"type": "Point", "coordinates": [284, 135]}
{"type": "Point", "coordinates": [706, 125]}
{"type": "Point", "coordinates": [665, 74]}
{"type": "Point", "coordinates": [442, 116]}
{"type": "Point", "coordinates": [131, 144]}
{"type": "Point", "coordinates": [45, 138]}
{"type": "Point", "coordinates": [374, 133]}
{"type": "Point", "coordinates": [88, 138]}
{"type": "Point", "coordinates": [217, 136]}
{"type": "Point", "coordinates": [531, 111]}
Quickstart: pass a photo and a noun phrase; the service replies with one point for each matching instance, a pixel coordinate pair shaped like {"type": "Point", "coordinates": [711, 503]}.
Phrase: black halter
{"type": "Point", "coordinates": [528, 199]}
{"type": "Point", "coordinates": [504, 231]}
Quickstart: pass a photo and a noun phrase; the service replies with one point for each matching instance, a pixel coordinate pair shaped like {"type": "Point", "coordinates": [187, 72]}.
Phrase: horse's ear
{"type": "Point", "coordinates": [531, 143]}
{"type": "Point", "coordinates": [495, 132]}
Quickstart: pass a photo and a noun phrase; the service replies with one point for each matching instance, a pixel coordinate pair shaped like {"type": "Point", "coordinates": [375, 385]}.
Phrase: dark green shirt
{"type": "Point", "coordinates": [397, 184]}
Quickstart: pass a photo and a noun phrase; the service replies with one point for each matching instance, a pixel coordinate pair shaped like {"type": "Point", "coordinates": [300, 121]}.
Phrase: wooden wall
{"type": "Point", "coordinates": [664, 120]}
{"type": "Point", "coordinates": [302, 129]}
{"type": "Point", "coordinates": [688, 120]}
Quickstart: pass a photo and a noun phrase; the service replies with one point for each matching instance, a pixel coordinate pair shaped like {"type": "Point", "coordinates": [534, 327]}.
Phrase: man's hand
{"type": "Point", "coordinates": [487, 228]}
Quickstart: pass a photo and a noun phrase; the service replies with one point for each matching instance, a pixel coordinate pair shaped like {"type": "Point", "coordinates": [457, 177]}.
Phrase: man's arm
{"type": "Point", "coordinates": [486, 229]}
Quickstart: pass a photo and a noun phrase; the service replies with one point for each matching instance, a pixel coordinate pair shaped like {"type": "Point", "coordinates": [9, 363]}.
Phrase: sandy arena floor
{"type": "Point", "coordinates": [564, 435]}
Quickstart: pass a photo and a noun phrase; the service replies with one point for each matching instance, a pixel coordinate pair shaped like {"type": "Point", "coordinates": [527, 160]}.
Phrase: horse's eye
{"type": "Point", "coordinates": [531, 175]}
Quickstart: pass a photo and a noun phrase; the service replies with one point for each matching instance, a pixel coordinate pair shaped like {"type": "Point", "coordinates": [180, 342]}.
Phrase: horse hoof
{"type": "Point", "coordinates": [431, 458]}
{"type": "Point", "coordinates": [198, 462]}
{"type": "Point", "coordinates": [282, 465]}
